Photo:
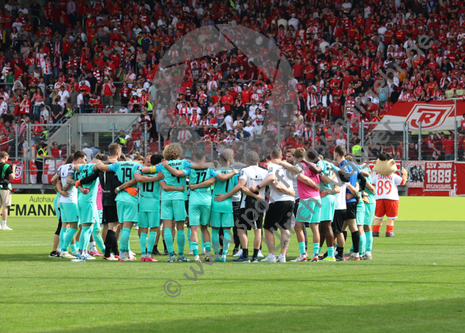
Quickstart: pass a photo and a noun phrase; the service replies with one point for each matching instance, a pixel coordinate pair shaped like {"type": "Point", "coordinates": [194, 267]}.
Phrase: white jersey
{"type": "Point", "coordinates": [65, 171]}
{"type": "Point", "coordinates": [340, 203]}
{"type": "Point", "coordinates": [282, 178]}
{"type": "Point", "coordinates": [253, 176]}
{"type": "Point", "coordinates": [386, 186]}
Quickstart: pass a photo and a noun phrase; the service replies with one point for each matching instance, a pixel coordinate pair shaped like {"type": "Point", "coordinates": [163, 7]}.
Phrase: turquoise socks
{"type": "Point", "coordinates": [181, 239]}
{"type": "Point", "coordinates": [362, 243]}
{"type": "Point", "coordinates": [168, 240]}
{"type": "Point", "coordinates": [331, 251]}
{"type": "Point", "coordinates": [124, 240]}
{"type": "Point", "coordinates": [143, 243]}
{"type": "Point", "coordinates": [97, 237]}
{"type": "Point", "coordinates": [82, 239]}
{"type": "Point", "coordinates": [302, 247]}
{"type": "Point", "coordinates": [63, 232]}
{"type": "Point", "coordinates": [151, 242]}
{"type": "Point", "coordinates": [316, 248]}
{"type": "Point", "coordinates": [68, 238]}
{"type": "Point", "coordinates": [369, 240]}
{"type": "Point", "coordinates": [189, 233]}
{"type": "Point", "coordinates": [73, 247]}
{"type": "Point", "coordinates": [226, 241]}
{"type": "Point", "coordinates": [216, 240]}
{"type": "Point", "coordinates": [195, 248]}
{"type": "Point", "coordinates": [208, 247]}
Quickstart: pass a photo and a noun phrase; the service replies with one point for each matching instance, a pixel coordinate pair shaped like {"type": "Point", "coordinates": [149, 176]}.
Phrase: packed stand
{"type": "Point", "coordinates": [94, 56]}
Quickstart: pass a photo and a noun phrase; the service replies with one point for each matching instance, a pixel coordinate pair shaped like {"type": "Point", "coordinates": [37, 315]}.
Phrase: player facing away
{"type": "Point", "coordinates": [370, 208]}
{"type": "Point", "coordinates": [87, 208]}
{"type": "Point", "coordinates": [68, 202]}
{"type": "Point", "coordinates": [280, 211]}
{"type": "Point", "coordinates": [351, 203]}
{"type": "Point", "coordinates": [200, 204]}
{"type": "Point", "coordinates": [328, 191]}
{"type": "Point", "coordinates": [127, 202]}
{"type": "Point", "coordinates": [387, 196]}
{"type": "Point", "coordinates": [252, 205]}
{"type": "Point", "coordinates": [173, 208]}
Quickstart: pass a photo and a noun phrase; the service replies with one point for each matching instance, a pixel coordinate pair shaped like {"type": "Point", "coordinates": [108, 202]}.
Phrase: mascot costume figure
{"type": "Point", "coordinates": [387, 195]}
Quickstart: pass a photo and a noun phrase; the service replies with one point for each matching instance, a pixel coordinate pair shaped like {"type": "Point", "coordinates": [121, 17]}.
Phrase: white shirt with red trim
{"type": "Point", "coordinates": [386, 186]}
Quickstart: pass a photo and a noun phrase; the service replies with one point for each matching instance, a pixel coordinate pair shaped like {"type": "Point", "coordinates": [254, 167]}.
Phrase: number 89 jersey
{"type": "Point", "coordinates": [386, 186]}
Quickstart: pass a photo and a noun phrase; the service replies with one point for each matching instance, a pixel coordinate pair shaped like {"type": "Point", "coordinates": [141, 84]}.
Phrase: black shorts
{"type": "Point", "coordinates": [279, 215]}
{"type": "Point", "coordinates": [109, 214]}
{"type": "Point", "coordinates": [351, 211]}
{"type": "Point", "coordinates": [249, 219]}
{"type": "Point", "coordinates": [338, 220]}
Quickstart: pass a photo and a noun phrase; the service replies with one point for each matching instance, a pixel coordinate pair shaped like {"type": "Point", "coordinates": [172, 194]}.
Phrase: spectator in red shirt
{"type": "Point", "coordinates": [449, 148]}
{"type": "Point", "coordinates": [136, 136]}
{"type": "Point", "coordinates": [336, 109]}
{"type": "Point", "coordinates": [227, 101]}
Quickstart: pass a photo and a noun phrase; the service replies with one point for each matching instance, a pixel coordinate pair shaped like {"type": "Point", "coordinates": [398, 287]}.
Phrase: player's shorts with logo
{"type": "Point", "coordinates": [149, 219]}
{"type": "Point", "coordinates": [199, 214]}
{"type": "Point", "coordinates": [109, 214]}
{"type": "Point", "coordinates": [387, 207]}
{"type": "Point", "coordinates": [279, 215]}
{"type": "Point", "coordinates": [87, 212]}
{"type": "Point", "coordinates": [328, 204]}
{"type": "Point", "coordinates": [309, 210]}
{"type": "Point", "coordinates": [173, 210]}
{"type": "Point", "coordinates": [360, 216]}
{"type": "Point", "coordinates": [69, 212]}
{"type": "Point", "coordinates": [127, 212]}
{"type": "Point", "coordinates": [369, 213]}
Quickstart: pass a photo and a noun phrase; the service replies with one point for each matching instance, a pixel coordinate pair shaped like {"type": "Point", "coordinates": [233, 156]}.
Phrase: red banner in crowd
{"type": "Point", "coordinates": [434, 116]}
{"type": "Point", "coordinates": [460, 169]}
{"type": "Point", "coordinates": [439, 176]}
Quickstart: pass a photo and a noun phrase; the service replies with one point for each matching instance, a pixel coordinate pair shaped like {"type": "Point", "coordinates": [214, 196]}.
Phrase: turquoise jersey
{"type": "Point", "coordinates": [221, 188]}
{"type": "Point", "coordinates": [150, 194]}
{"type": "Point", "coordinates": [200, 196]}
{"type": "Point", "coordinates": [84, 171]}
{"type": "Point", "coordinates": [125, 171]}
{"type": "Point", "coordinates": [175, 181]}
{"type": "Point", "coordinates": [328, 169]}
{"type": "Point", "coordinates": [371, 195]}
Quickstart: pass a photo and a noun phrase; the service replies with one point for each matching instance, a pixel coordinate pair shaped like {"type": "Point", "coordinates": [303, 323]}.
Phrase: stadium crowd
{"type": "Point", "coordinates": [78, 56]}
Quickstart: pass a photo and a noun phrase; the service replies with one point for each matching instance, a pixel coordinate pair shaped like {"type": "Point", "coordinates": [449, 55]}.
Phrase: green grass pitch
{"type": "Point", "coordinates": [401, 290]}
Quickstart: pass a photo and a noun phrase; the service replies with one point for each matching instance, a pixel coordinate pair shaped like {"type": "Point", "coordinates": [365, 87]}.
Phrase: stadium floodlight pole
{"type": "Point", "coordinates": [80, 136]}
{"type": "Point", "coordinates": [145, 138]}
{"type": "Point", "coordinates": [456, 142]}
{"type": "Point", "coordinates": [406, 143]}
{"type": "Point", "coordinates": [313, 135]}
{"type": "Point", "coordinates": [419, 141]}
{"type": "Point", "coordinates": [16, 140]}
{"type": "Point", "coordinates": [348, 136]}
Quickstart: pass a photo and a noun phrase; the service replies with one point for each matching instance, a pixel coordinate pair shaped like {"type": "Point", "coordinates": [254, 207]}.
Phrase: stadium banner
{"type": "Point", "coordinates": [32, 205]}
{"type": "Point", "coordinates": [439, 176]}
{"type": "Point", "coordinates": [434, 116]}
{"type": "Point", "coordinates": [416, 174]}
{"type": "Point", "coordinates": [460, 170]}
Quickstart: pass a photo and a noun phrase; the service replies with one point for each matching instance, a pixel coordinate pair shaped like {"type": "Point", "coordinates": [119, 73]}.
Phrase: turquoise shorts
{"type": "Point", "coordinates": [309, 210]}
{"type": "Point", "coordinates": [69, 212]}
{"type": "Point", "coordinates": [221, 220]}
{"type": "Point", "coordinates": [57, 208]}
{"type": "Point", "coordinates": [87, 212]}
{"type": "Point", "coordinates": [149, 219]}
{"type": "Point", "coordinates": [360, 219]}
{"type": "Point", "coordinates": [328, 205]}
{"type": "Point", "coordinates": [127, 212]}
{"type": "Point", "coordinates": [199, 214]}
{"type": "Point", "coordinates": [173, 210]}
{"type": "Point", "coordinates": [369, 213]}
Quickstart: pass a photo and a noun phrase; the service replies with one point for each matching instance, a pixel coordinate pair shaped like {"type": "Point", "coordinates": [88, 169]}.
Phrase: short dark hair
{"type": "Point", "coordinates": [77, 155]}
{"type": "Point", "coordinates": [340, 150]}
{"type": "Point", "coordinates": [155, 159]}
